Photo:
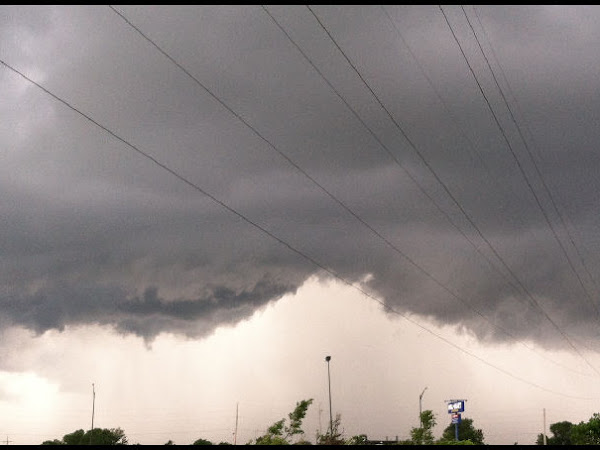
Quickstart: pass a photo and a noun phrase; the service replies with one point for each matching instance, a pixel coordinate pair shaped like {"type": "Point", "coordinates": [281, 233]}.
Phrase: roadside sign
{"type": "Point", "coordinates": [456, 406]}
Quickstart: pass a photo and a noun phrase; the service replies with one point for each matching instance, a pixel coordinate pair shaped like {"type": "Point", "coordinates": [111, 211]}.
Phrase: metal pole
{"type": "Point", "coordinates": [328, 358]}
{"type": "Point", "coordinates": [420, 408]}
{"type": "Point", "coordinates": [544, 433]}
{"type": "Point", "coordinates": [93, 406]}
{"type": "Point", "coordinates": [456, 430]}
{"type": "Point", "coordinates": [236, 424]}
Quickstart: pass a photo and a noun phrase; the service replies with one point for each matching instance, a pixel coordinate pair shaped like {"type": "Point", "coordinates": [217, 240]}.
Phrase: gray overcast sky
{"type": "Point", "coordinates": [357, 155]}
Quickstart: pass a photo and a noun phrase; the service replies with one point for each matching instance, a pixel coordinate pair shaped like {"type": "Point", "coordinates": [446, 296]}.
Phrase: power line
{"type": "Point", "coordinates": [314, 181]}
{"type": "Point", "coordinates": [447, 109]}
{"type": "Point", "coordinates": [411, 144]}
{"type": "Point", "coordinates": [446, 189]}
{"type": "Point", "coordinates": [273, 236]}
{"type": "Point", "coordinates": [518, 164]}
{"type": "Point", "coordinates": [571, 265]}
{"type": "Point", "coordinates": [506, 138]}
{"type": "Point", "coordinates": [389, 152]}
{"type": "Point", "coordinates": [461, 131]}
{"type": "Point", "coordinates": [287, 158]}
{"type": "Point", "coordinates": [415, 181]}
{"type": "Point", "coordinates": [294, 164]}
{"type": "Point", "coordinates": [448, 112]}
{"type": "Point", "coordinates": [549, 192]}
{"type": "Point", "coordinates": [504, 77]}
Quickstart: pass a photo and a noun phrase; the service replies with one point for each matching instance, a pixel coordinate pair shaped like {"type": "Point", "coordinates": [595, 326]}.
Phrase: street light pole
{"type": "Point", "coordinates": [328, 358]}
{"type": "Point", "coordinates": [420, 407]}
{"type": "Point", "coordinates": [93, 405]}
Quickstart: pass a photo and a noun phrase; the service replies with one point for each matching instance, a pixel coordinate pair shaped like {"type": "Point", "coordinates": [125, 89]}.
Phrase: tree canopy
{"type": "Point", "coordinates": [586, 433]}
{"type": "Point", "coordinates": [333, 435]}
{"type": "Point", "coordinates": [423, 435]}
{"type": "Point", "coordinates": [281, 434]}
{"type": "Point", "coordinates": [561, 434]}
{"type": "Point", "coordinates": [567, 433]}
{"type": "Point", "coordinates": [466, 432]}
{"type": "Point", "coordinates": [97, 436]}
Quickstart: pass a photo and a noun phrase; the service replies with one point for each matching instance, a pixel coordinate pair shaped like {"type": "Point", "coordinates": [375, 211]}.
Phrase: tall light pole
{"type": "Point", "coordinates": [93, 405]}
{"type": "Point", "coordinates": [420, 407]}
{"type": "Point", "coordinates": [237, 405]}
{"type": "Point", "coordinates": [328, 358]}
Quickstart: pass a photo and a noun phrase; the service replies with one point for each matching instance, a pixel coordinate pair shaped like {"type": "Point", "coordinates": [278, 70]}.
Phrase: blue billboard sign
{"type": "Point", "coordinates": [456, 406]}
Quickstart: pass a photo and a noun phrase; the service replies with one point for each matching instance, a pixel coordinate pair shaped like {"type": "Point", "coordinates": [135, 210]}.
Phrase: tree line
{"type": "Point", "coordinates": [567, 433]}
{"type": "Point", "coordinates": [289, 431]}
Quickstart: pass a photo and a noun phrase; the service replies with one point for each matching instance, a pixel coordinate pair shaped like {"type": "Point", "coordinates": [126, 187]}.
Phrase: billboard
{"type": "Point", "coordinates": [456, 406]}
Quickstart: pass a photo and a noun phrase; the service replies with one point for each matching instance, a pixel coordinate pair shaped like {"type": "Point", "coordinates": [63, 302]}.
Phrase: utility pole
{"type": "Point", "coordinates": [236, 424]}
{"type": "Point", "coordinates": [328, 358]}
{"type": "Point", "coordinates": [93, 406]}
{"type": "Point", "coordinates": [544, 432]}
{"type": "Point", "coordinates": [420, 407]}
{"type": "Point", "coordinates": [7, 441]}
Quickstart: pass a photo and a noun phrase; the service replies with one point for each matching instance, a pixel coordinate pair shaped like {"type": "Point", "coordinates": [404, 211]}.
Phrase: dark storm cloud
{"type": "Point", "coordinates": [146, 315]}
{"type": "Point", "coordinates": [94, 233]}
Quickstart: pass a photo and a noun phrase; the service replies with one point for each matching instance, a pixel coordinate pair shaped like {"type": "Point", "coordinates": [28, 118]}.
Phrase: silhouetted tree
{"type": "Point", "coordinates": [53, 442]}
{"type": "Point", "coordinates": [561, 434]}
{"type": "Point", "coordinates": [360, 439]}
{"type": "Point", "coordinates": [97, 436]}
{"type": "Point", "coordinates": [281, 434]}
{"type": "Point", "coordinates": [586, 433]}
{"type": "Point", "coordinates": [423, 435]}
{"type": "Point", "coordinates": [333, 435]}
{"type": "Point", "coordinates": [466, 431]}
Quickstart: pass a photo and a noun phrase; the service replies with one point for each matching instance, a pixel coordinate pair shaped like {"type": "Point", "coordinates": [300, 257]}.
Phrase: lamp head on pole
{"type": "Point", "coordinates": [328, 358]}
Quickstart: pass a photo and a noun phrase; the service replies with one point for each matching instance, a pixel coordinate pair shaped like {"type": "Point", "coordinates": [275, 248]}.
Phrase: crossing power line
{"type": "Point", "coordinates": [285, 244]}
{"type": "Point", "coordinates": [320, 185]}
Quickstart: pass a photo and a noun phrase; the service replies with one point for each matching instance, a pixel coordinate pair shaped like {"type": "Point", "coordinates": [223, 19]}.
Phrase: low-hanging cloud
{"type": "Point", "coordinates": [146, 315]}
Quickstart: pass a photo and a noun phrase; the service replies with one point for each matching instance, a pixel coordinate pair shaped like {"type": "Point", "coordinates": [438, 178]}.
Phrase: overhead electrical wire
{"type": "Point", "coordinates": [447, 109]}
{"type": "Point", "coordinates": [290, 247]}
{"type": "Point", "coordinates": [411, 144]}
{"type": "Point", "coordinates": [512, 152]}
{"type": "Point", "coordinates": [538, 172]}
{"type": "Point", "coordinates": [319, 185]}
{"type": "Point", "coordinates": [504, 77]}
{"type": "Point", "coordinates": [446, 189]}
{"type": "Point", "coordinates": [456, 123]}
{"type": "Point", "coordinates": [519, 165]}
{"type": "Point", "coordinates": [534, 303]}
{"type": "Point", "coordinates": [531, 136]}
{"type": "Point", "coordinates": [387, 150]}
{"type": "Point", "coordinates": [541, 177]}
{"type": "Point", "coordinates": [422, 190]}
{"type": "Point", "coordinates": [300, 169]}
